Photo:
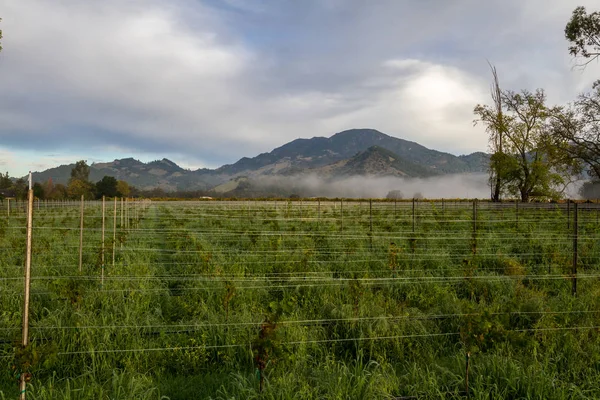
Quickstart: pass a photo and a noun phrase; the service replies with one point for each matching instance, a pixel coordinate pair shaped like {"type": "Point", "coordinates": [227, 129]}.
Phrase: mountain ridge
{"type": "Point", "coordinates": [345, 153]}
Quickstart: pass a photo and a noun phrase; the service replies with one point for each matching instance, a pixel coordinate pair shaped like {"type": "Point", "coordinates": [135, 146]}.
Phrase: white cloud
{"type": "Point", "coordinates": [181, 78]}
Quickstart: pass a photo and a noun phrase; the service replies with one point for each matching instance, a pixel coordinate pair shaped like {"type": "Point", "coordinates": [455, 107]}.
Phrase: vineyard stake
{"type": "Point", "coordinates": [371, 216]}
{"type": "Point", "coordinates": [467, 374]}
{"type": "Point", "coordinates": [474, 226]}
{"type": "Point", "coordinates": [517, 213]}
{"type": "Point", "coordinates": [413, 215]}
{"type": "Point", "coordinates": [569, 214]}
{"type": "Point", "coordinates": [114, 231]}
{"type": "Point", "coordinates": [8, 208]}
{"type": "Point", "coordinates": [342, 214]}
{"type": "Point", "coordinates": [102, 250]}
{"type": "Point", "coordinates": [319, 209]}
{"type": "Point", "coordinates": [575, 234]}
{"type": "Point", "coordinates": [25, 339]}
{"type": "Point", "coordinates": [81, 235]}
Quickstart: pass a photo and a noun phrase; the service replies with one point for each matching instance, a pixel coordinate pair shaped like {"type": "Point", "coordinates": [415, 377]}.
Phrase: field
{"type": "Point", "coordinates": [304, 299]}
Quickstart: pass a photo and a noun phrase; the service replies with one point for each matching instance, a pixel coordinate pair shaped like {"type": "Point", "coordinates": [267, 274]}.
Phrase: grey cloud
{"type": "Point", "coordinates": [215, 81]}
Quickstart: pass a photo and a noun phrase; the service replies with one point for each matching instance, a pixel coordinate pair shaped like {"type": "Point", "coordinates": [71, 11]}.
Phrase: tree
{"type": "Point", "coordinates": [394, 195]}
{"type": "Point", "coordinates": [0, 37]}
{"type": "Point", "coordinates": [532, 163]}
{"type": "Point", "coordinates": [493, 117]}
{"type": "Point", "coordinates": [583, 33]}
{"type": "Point", "coordinates": [20, 188]}
{"type": "Point", "coordinates": [38, 190]}
{"type": "Point", "coordinates": [579, 126]}
{"type": "Point", "coordinates": [107, 186]}
{"type": "Point", "coordinates": [123, 189]}
{"type": "Point", "coordinates": [77, 187]}
{"type": "Point", "coordinates": [5, 182]}
{"type": "Point", "coordinates": [81, 171]}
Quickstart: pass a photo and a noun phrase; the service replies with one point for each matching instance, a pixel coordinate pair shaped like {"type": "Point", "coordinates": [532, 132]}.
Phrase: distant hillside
{"type": "Point", "coordinates": [376, 161]}
{"type": "Point", "coordinates": [347, 153]}
{"type": "Point", "coordinates": [319, 151]}
{"type": "Point", "coordinates": [161, 173]}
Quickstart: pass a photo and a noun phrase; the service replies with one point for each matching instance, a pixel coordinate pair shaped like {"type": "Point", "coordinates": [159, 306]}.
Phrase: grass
{"type": "Point", "coordinates": [207, 298]}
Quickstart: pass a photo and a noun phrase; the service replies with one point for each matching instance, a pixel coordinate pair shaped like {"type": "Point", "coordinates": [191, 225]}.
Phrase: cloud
{"type": "Point", "coordinates": [209, 82]}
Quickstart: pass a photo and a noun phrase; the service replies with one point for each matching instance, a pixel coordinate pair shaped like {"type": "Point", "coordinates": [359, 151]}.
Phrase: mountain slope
{"type": "Point", "coordinates": [376, 161]}
{"type": "Point", "coordinates": [351, 152]}
{"type": "Point", "coordinates": [320, 151]}
{"type": "Point", "coordinates": [161, 173]}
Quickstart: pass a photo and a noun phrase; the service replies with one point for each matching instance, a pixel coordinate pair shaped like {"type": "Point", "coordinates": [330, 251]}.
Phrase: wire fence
{"type": "Point", "coordinates": [211, 276]}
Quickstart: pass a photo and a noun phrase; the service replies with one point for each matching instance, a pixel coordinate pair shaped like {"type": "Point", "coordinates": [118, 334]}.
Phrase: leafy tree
{"type": "Point", "coordinates": [20, 188]}
{"type": "Point", "coordinates": [59, 192]}
{"type": "Point", "coordinates": [579, 126]}
{"type": "Point", "coordinates": [590, 190]}
{"type": "Point", "coordinates": [107, 186]}
{"type": "Point", "coordinates": [77, 187]}
{"type": "Point", "coordinates": [0, 37]}
{"type": "Point", "coordinates": [38, 190]}
{"type": "Point", "coordinates": [81, 171]}
{"type": "Point", "coordinates": [583, 33]}
{"type": "Point", "coordinates": [395, 194]}
{"type": "Point", "coordinates": [5, 182]}
{"type": "Point", "coordinates": [532, 163]}
{"type": "Point", "coordinates": [123, 189]}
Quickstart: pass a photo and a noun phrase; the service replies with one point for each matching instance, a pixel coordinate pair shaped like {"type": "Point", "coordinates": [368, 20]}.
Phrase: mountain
{"type": "Point", "coordinates": [161, 173]}
{"type": "Point", "coordinates": [375, 161]}
{"type": "Point", "coordinates": [319, 151]}
{"type": "Point", "coordinates": [348, 153]}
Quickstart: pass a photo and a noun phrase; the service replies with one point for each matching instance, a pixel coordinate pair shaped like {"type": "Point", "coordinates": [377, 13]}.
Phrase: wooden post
{"type": "Point", "coordinates": [517, 213]}
{"type": "Point", "coordinates": [569, 214]}
{"type": "Point", "coordinates": [121, 214]}
{"type": "Point", "coordinates": [371, 215]}
{"type": "Point", "coordinates": [467, 374]}
{"type": "Point", "coordinates": [575, 237]}
{"type": "Point", "coordinates": [8, 208]}
{"type": "Point", "coordinates": [395, 207]}
{"type": "Point", "coordinates": [342, 214]}
{"type": "Point", "coordinates": [114, 232]}
{"type": "Point", "coordinates": [25, 376]}
{"type": "Point", "coordinates": [319, 209]}
{"type": "Point", "coordinates": [81, 235]}
{"type": "Point", "coordinates": [474, 226]}
{"type": "Point", "coordinates": [443, 209]}
{"type": "Point", "coordinates": [413, 215]}
{"type": "Point", "coordinates": [102, 250]}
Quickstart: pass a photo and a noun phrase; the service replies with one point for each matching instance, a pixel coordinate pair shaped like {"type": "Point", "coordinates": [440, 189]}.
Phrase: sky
{"type": "Point", "coordinates": [206, 82]}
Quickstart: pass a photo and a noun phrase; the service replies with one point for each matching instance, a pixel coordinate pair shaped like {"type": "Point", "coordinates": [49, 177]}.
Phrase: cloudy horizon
{"type": "Point", "coordinates": [206, 82]}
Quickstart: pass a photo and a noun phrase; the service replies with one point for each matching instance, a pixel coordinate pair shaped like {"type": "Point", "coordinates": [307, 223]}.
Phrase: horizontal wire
{"type": "Point", "coordinates": [312, 321]}
{"type": "Point", "coordinates": [316, 341]}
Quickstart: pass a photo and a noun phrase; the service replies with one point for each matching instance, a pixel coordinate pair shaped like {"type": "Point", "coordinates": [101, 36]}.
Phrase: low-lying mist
{"type": "Point", "coordinates": [445, 186]}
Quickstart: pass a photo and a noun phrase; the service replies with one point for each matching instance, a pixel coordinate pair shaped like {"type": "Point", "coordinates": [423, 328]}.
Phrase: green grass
{"type": "Point", "coordinates": [206, 297]}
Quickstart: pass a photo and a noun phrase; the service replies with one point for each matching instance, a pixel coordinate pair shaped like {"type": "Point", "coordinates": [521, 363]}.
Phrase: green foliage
{"type": "Point", "coordinates": [81, 171]}
{"type": "Point", "coordinates": [583, 33]}
{"type": "Point", "coordinates": [206, 300]}
{"type": "Point", "coordinates": [107, 186]}
{"type": "Point", "coordinates": [5, 181]}
{"type": "Point", "coordinates": [531, 163]}
{"type": "Point", "coordinates": [78, 188]}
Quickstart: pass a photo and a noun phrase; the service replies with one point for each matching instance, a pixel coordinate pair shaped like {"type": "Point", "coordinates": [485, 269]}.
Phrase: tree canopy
{"type": "Point", "coordinates": [531, 162]}
{"type": "Point", "coordinates": [81, 171]}
{"type": "Point", "coordinates": [107, 186]}
{"type": "Point", "coordinates": [583, 33]}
